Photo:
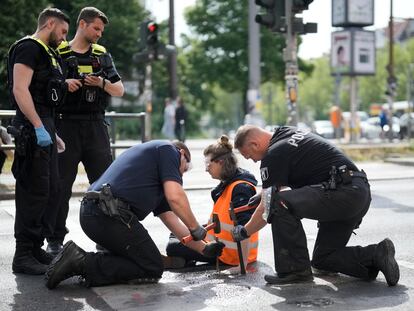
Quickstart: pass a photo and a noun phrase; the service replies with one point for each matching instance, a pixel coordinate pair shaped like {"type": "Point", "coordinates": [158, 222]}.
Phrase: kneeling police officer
{"type": "Point", "coordinates": [145, 178]}
{"type": "Point", "coordinates": [36, 85]}
{"type": "Point", "coordinates": [304, 176]}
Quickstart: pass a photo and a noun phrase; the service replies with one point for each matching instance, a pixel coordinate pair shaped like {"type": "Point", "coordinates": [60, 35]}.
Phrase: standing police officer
{"type": "Point", "coordinates": [306, 177]}
{"type": "Point", "coordinates": [36, 86]}
{"type": "Point", "coordinates": [91, 78]}
{"type": "Point", "coordinates": [145, 178]}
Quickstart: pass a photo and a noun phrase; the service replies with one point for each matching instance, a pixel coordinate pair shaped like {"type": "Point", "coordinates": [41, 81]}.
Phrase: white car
{"type": "Point", "coordinates": [323, 128]}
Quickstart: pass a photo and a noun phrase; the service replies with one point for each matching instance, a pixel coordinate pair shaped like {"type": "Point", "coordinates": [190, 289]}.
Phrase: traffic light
{"type": "Point", "coordinates": [274, 17]}
{"type": "Point", "coordinates": [149, 35]}
{"type": "Point", "coordinates": [300, 5]}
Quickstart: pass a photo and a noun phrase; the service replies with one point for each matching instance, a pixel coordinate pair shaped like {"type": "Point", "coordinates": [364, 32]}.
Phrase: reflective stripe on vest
{"type": "Point", "coordinates": [51, 55]}
{"type": "Point", "coordinates": [230, 255]}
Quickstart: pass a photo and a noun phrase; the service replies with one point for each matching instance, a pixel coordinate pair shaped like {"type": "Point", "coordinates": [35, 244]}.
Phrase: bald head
{"type": "Point", "coordinates": [252, 141]}
{"type": "Point", "coordinates": [245, 133]}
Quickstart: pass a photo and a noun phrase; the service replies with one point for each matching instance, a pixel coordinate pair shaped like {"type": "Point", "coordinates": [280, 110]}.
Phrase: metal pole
{"type": "Point", "coordinates": [353, 122]}
{"type": "Point", "coordinates": [148, 100]}
{"type": "Point", "coordinates": [254, 60]}
{"type": "Point", "coordinates": [172, 57]}
{"type": "Point", "coordinates": [291, 67]}
{"type": "Point", "coordinates": [391, 77]}
{"type": "Point", "coordinates": [410, 99]}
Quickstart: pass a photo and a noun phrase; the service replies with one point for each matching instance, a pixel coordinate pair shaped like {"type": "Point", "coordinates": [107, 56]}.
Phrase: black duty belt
{"type": "Point", "coordinates": [81, 117]}
{"type": "Point", "coordinates": [358, 174]}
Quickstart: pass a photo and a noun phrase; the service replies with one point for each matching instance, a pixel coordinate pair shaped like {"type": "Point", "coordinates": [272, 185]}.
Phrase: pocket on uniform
{"type": "Point", "coordinates": [40, 170]}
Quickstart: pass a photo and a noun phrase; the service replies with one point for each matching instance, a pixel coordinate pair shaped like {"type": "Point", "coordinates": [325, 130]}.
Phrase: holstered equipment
{"type": "Point", "coordinates": [341, 175]}
{"type": "Point", "coordinates": [111, 206]}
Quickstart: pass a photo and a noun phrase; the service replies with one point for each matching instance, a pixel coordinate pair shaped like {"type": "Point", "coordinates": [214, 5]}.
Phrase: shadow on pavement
{"type": "Point", "coordinates": [32, 294]}
{"type": "Point", "coordinates": [338, 292]}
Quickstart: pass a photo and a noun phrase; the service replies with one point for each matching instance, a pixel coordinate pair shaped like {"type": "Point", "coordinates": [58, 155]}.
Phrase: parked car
{"type": "Point", "coordinates": [323, 128]}
{"type": "Point", "coordinates": [407, 122]}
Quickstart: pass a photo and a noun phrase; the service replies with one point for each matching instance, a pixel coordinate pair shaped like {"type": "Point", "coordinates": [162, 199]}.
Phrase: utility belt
{"type": "Point", "coordinates": [24, 135]}
{"type": "Point", "coordinates": [80, 117]}
{"type": "Point", "coordinates": [341, 175]}
{"type": "Point", "coordinates": [111, 206]}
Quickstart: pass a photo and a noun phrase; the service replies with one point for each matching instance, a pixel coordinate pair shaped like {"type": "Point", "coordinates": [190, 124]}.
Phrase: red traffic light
{"type": "Point", "coordinates": [152, 27]}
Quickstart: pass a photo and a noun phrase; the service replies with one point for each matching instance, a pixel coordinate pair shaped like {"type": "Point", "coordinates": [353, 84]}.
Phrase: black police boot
{"type": "Point", "coordinates": [289, 278]}
{"type": "Point", "coordinates": [69, 262]}
{"type": "Point", "coordinates": [25, 262]}
{"type": "Point", "coordinates": [384, 260]}
{"type": "Point", "coordinates": [54, 247]}
{"type": "Point", "coordinates": [42, 256]}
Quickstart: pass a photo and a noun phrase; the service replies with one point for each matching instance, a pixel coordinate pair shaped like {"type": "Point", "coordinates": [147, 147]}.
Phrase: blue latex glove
{"type": "Point", "coordinates": [43, 137]}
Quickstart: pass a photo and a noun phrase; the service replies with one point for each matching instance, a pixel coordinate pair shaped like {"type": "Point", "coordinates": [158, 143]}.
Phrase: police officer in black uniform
{"type": "Point", "coordinates": [145, 178]}
{"type": "Point", "coordinates": [92, 79]}
{"type": "Point", "coordinates": [37, 87]}
{"type": "Point", "coordinates": [304, 176]}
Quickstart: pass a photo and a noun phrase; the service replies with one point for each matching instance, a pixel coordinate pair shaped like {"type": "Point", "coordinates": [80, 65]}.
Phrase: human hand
{"type": "Point", "coordinates": [60, 144]}
{"type": "Point", "coordinates": [255, 200]}
{"type": "Point", "coordinates": [43, 137]}
{"type": "Point", "coordinates": [91, 80]}
{"type": "Point", "coordinates": [239, 233]}
{"type": "Point", "coordinates": [213, 249]}
{"type": "Point", "coordinates": [73, 84]}
{"type": "Point", "coordinates": [199, 233]}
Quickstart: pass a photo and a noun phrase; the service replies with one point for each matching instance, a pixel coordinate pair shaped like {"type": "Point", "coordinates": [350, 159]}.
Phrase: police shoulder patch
{"type": "Point", "coordinates": [264, 173]}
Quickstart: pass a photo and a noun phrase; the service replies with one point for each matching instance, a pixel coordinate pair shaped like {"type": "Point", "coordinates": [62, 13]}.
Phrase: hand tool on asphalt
{"type": "Point", "coordinates": [217, 230]}
{"type": "Point", "coordinates": [189, 237]}
{"type": "Point", "coordinates": [233, 217]}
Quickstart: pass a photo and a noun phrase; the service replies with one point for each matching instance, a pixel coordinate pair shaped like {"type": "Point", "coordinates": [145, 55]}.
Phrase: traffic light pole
{"type": "Point", "coordinates": [172, 57]}
{"type": "Point", "coordinates": [291, 66]}
{"type": "Point", "coordinates": [148, 100]}
{"type": "Point", "coordinates": [391, 77]}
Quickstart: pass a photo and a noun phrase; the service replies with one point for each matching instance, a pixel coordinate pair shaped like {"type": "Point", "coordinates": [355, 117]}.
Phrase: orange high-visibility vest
{"type": "Point", "coordinates": [230, 255]}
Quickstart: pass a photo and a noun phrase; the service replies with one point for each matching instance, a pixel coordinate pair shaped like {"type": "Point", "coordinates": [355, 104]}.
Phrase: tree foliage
{"type": "Point", "coordinates": [18, 18]}
{"type": "Point", "coordinates": [217, 50]}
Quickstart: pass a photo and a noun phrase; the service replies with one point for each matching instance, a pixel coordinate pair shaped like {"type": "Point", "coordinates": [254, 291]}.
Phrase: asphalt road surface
{"type": "Point", "coordinates": [391, 215]}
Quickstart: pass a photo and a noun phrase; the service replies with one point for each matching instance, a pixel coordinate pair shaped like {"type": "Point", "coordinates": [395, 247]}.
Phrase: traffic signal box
{"type": "Point", "coordinates": [273, 16]}
{"type": "Point", "coordinates": [149, 36]}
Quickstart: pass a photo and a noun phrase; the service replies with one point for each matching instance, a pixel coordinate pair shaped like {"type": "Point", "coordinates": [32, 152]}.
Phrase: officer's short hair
{"type": "Point", "coordinates": [89, 13]}
{"type": "Point", "coordinates": [51, 12]}
{"type": "Point", "coordinates": [180, 145]}
{"type": "Point", "coordinates": [242, 134]}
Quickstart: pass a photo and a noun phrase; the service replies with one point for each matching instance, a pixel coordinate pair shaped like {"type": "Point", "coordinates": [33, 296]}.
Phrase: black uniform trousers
{"type": "Point", "coordinates": [86, 141]}
{"type": "Point", "coordinates": [37, 190]}
{"type": "Point", "coordinates": [338, 213]}
{"type": "Point", "coordinates": [132, 252]}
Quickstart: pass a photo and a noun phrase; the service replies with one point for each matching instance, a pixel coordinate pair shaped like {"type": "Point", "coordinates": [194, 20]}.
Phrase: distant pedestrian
{"type": "Point", "coordinates": [5, 139]}
{"type": "Point", "coordinates": [169, 119]}
{"type": "Point", "coordinates": [383, 116]}
{"type": "Point", "coordinates": [180, 120]}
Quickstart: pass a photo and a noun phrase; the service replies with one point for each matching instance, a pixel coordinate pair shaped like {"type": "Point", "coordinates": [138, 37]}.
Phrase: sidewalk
{"type": "Point", "coordinates": [200, 180]}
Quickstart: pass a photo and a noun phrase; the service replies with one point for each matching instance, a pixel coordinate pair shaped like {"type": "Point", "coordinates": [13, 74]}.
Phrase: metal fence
{"type": "Point", "coordinates": [111, 116]}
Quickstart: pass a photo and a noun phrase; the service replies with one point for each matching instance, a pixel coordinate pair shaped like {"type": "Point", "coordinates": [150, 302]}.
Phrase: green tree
{"type": "Point", "coordinates": [12, 28]}
{"type": "Point", "coordinates": [217, 50]}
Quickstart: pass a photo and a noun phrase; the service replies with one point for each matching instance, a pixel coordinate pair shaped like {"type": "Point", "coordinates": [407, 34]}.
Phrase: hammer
{"type": "Point", "coordinates": [233, 217]}
{"type": "Point", "coordinates": [217, 230]}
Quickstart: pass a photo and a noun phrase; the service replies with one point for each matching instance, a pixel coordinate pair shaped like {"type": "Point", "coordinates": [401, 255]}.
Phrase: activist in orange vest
{"type": "Point", "coordinates": [236, 185]}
